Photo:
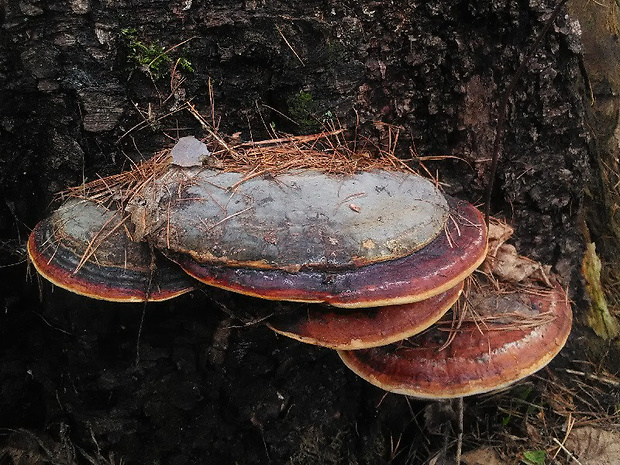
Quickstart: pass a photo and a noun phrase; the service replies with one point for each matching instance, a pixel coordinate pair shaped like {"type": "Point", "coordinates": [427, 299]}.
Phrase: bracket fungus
{"type": "Point", "coordinates": [291, 221]}
{"type": "Point", "coordinates": [384, 245]}
{"type": "Point", "coordinates": [85, 248]}
{"type": "Point", "coordinates": [452, 256]}
{"type": "Point", "coordinates": [349, 329]}
{"type": "Point", "coordinates": [514, 335]}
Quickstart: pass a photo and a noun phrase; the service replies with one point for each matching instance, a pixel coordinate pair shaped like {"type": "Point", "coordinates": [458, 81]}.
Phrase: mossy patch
{"type": "Point", "coordinates": [152, 57]}
{"type": "Point", "coordinates": [302, 108]}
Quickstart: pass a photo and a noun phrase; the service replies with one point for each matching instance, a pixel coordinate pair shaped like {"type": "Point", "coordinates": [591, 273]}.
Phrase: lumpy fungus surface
{"type": "Point", "coordinates": [290, 221]}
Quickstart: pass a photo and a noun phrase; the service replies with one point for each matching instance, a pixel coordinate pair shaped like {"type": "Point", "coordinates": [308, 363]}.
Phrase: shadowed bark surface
{"type": "Point", "coordinates": [86, 86]}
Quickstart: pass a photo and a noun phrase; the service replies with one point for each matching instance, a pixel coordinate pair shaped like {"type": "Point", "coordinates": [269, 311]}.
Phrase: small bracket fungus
{"type": "Point", "coordinates": [441, 265]}
{"type": "Point", "coordinates": [514, 335]}
{"type": "Point", "coordinates": [84, 248]}
{"type": "Point", "coordinates": [362, 328]}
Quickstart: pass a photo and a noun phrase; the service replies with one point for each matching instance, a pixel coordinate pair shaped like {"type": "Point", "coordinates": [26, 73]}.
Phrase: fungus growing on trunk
{"type": "Point", "coordinates": [439, 266]}
{"type": "Point", "coordinates": [297, 220]}
{"type": "Point", "coordinates": [387, 245]}
{"type": "Point", "coordinates": [85, 248]}
{"type": "Point", "coordinates": [509, 337]}
{"type": "Point", "coordinates": [350, 329]}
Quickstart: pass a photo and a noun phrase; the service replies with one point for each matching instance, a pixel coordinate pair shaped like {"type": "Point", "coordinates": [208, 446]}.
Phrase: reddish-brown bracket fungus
{"type": "Point", "coordinates": [85, 248]}
{"type": "Point", "coordinates": [296, 220]}
{"type": "Point", "coordinates": [362, 328]}
{"type": "Point", "coordinates": [439, 266]}
{"type": "Point", "coordinates": [385, 244]}
{"type": "Point", "coordinates": [514, 335]}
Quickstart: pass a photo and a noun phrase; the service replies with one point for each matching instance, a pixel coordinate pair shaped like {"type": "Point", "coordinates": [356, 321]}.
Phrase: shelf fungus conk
{"type": "Point", "coordinates": [297, 220]}
{"type": "Point", "coordinates": [351, 329]}
{"type": "Point", "coordinates": [453, 255]}
{"type": "Point", "coordinates": [85, 248]}
{"type": "Point", "coordinates": [372, 258]}
{"type": "Point", "coordinates": [512, 336]}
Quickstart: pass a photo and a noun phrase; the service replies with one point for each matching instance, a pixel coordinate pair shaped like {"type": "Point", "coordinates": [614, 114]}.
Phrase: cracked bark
{"type": "Point", "coordinates": [73, 104]}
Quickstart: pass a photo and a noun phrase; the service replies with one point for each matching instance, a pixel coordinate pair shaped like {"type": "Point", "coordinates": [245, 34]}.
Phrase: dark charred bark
{"type": "Point", "coordinates": [78, 99]}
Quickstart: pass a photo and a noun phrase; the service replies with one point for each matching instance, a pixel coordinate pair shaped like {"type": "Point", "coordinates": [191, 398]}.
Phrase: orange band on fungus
{"type": "Point", "coordinates": [362, 328]}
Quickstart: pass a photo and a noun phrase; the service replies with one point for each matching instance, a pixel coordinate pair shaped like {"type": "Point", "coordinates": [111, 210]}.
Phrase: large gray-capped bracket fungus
{"type": "Point", "coordinates": [85, 248]}
{"type": "Point", "coordinates": [289, 221]}
{"type": "Point", "coordinates": [442, 264]}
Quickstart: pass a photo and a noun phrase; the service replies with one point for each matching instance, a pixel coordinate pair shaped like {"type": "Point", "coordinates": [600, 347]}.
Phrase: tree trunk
{"type": "Point", "coordinates": [88, 86]}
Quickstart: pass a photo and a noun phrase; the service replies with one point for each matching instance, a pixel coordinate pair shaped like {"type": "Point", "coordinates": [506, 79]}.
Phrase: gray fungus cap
{"type": "Point", "coordinates": [290, 221]}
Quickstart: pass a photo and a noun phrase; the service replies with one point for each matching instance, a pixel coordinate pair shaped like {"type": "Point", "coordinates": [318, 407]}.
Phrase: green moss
{"type": "Point", "coordinates": [302, 108]}
{"type": "Point", "coordinates": [151, 57]}
{"type": "Point", "coordinates": [599, 318]}
{"type": "Point", "coordinates": [534, 457]}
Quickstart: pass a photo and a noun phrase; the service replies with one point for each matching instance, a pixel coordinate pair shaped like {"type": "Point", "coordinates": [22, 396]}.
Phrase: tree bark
{"type": "Point", "coordinates": [87, 86]}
